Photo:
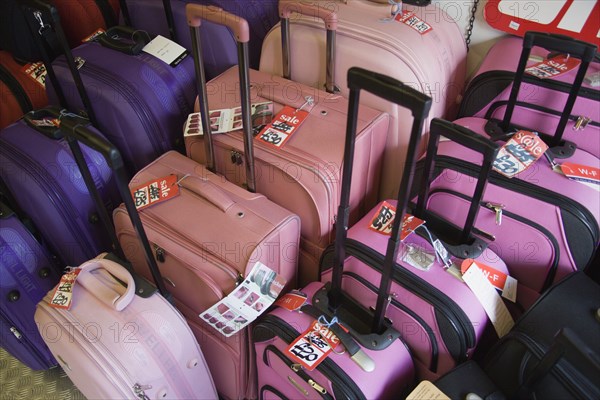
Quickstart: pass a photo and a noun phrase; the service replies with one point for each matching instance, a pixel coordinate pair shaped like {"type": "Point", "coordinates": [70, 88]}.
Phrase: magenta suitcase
{"type": "Point", "coordinates": [207, 240]}
{"type": "Point", "coordinates": [432, 61]}
{"type": "Point", "coordinates": [120, 339]}
{"type": "Point", "coordinates": [439, 317]}
{"type": "Point", "coordinates": [539, 105]}
{"type": "Point", "coordinates": [302, 175]}
{"type": "Point", "coordinates": [550, 224]}
{"type": "Point", "coordinates": [369, 359]}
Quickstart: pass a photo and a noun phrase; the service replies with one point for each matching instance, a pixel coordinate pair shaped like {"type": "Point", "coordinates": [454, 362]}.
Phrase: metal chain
{"type": "Point", "coordinates": [471, 23]}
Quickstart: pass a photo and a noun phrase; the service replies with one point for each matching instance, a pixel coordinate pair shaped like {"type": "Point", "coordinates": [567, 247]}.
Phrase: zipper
{"type": "Point", "coordinates": [298, 370]}
{"type": "Point", "coordinates": [433, 363]}
{"type": "Point", "coordinates": [141, 109]}
{"type": "Point", "coordinates": [24, 339]}
{"type": "Point", "coordinates": [107, 12]}
{"type": "Point", "coordinates": [421, 288]}
{"type": "Point", "coordinates": [327, 367]}
{"type": "Point", "coordinates": [54, 192]}
{"type": "Point", "coordinates": [552, 273]}
{"type": "Point", "coordinates": [520, 186]}
{"type": "Point", "coordinates": [269, 388]}
{"type": "Point", "coordinates": [16, 89]}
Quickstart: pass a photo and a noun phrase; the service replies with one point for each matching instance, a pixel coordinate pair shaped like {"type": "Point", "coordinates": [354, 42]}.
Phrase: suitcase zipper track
{"type": "Point", "coordinates": [552, 273]}
{"type": "Point", "coordinates": [24, 339]}
{"type": "Point", "coordinates": [16, 89]}
{"type": "Point", "coordinates": [327, 367]}
{"type": "Point", "coordinates": [433, 363]}
{"type": "Point", "coordinates": [54, 192]}
{"type": "Point", "coordinates": [421, 288]}
{"type": "Point", "coordinates": [519, 186]}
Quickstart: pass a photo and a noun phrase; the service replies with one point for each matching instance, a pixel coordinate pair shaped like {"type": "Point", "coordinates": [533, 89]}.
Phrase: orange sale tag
{"type": "Point", "coordinates": [583, 173]}
{"type": "Point", "coordinates": [553, 67]}
{"type": "Point", "coordinates": [282, 126]}
{"type": "Point", "coordinates": [63, 295]}
{"type": "Point", "coordinates": [292, 300]}
{"type": "Point", "coordinates": [155, 192]}
{"type": "Point", "coordinates": [312, 346]}
{"type": "Point", "coordinates": [519, 153]}
{"type": "Point", "coordinates": [505, 283]}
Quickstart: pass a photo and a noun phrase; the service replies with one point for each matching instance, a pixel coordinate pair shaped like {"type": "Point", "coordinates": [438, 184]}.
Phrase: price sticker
{"type": "Point", "coordinates": [155, 192]}
{"type": "Point", "coordinates": [409, 18]}
{"type": "Point", "coordinates": [282, 126]}
{"type": "Point", "coordinates": [553, 67]}
{"type": "Point", "coordinates": [94, 35]}
{"type": "Point", "coordinates": [37, 72]}
{"type": "Point", "coordinates": [54, 122]}
{"type": "Point", "coordinates": [63, 294]}
{"type": "Point", "coordinates": [519, 153]}
{"type": "Point", "coordinates": [382, 221]}
{"type": "Point", "coordinates": [582, 173]}
{"type": "Point", "coordinates": [312, 346]}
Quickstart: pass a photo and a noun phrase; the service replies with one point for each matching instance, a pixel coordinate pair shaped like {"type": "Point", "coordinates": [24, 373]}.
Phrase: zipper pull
{"type": "Point", "coordinates": [309, 100]}
{"type": "Point", "coordinates": [139, 391]}
{"type": "Point", "coordinates": [581, 123]}
{"type": "Point", "coordinates": [239, 279]}
{"type": "Point", "coordinates": [317, 387]}
{"type": "Point", "coordinates": [16, 332]}
{"type": "Point", "coordinates": [497, 208]}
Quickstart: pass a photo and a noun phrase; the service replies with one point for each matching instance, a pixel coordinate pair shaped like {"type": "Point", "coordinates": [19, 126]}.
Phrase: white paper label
{"type": "Point", "coordinates": [166, 50]}
{"type": "Point", "coordinates": [427, 391]}
{"type": "Point", "coordinates": [490, 300]}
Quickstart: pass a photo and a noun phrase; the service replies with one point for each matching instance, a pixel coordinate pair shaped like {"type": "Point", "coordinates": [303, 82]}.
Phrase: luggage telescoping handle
{"type": "Point", "coordinates": [466, 138]}
{"type": "Point", "coordinates": [329, 17]}
{"type": "Point", "coordinates": [419, 104]}
{"type": "Point", "coordinates": [77, 133]}
{"type": "Point", "coordinates": [552, 42]}
{"type": "Point", "coordinates": [47, 9]}
{"type": "Point", "coordinates": [195, 14]}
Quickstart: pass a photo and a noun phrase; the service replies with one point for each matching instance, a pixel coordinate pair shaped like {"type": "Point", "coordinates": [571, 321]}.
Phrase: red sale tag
{"type": "Point", "coordinates": [583, 173]}
{"type": "Point", "coordinates": [94, 35]}
{"type": "Point", "coordinates": [409, 18]}
{"type": "Point", "coordinates": [519, 153]}
{"type": "Point", "coordinates": [384, 218]}
{"type": "Point", "coordinates": [553, 67]}
{"type": "Point", "coordinates": [63, 294]}
{"type": "Point", "coordinates": [155, 192]}
{"type": "Point", "coordinates": [505, 283]}
{"type": "Point", "coordinates": [291, 301]}
{"type": "Point", "coordinates": [312, 346]}
{"type": "Point", "coordinates": [46, 122]}
{"type": "Point", "coordinates": [37, 72]}
{"type": "Point", "coordinates": [282, 126]}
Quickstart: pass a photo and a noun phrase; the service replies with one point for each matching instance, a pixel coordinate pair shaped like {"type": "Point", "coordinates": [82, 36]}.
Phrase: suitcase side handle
{"type": "Point", "coordinates": [106, 295]}
{"type": "Point", "coordinates": [140, 39]}
{"type": "Point", "coordinates": [208, 191]}
{"type": "Point", "coordinates": [76, 133]}
{"type": "Point", "coordinates": [419, 104]}
{"type": "Point", "coordinates": [329, 17]}
{"type": "Point", "coordinates": [467, 138]}
{"type": "Point", "coordinates": [195, 13]}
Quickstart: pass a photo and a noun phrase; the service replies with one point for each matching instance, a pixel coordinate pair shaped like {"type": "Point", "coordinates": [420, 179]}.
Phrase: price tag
{"type": "Point", "coordinates": [312, 346]}
{"type": "Point", "coordinates": [384, 218]}
{"type": "Point", "coordinates": [63, 294]}
{"type": "Point", "coordinates": [519, 153]}
{"type": "Point", "coordinates": [506, 284]}
{"type": "Point", "coordinates": [37, 72]}
{"type": "Point", "coordinates": [409, 18]}
{"type": "Point", "coordinates": [94, 35]}
{"type": "Point", "coordinates": [582, 173]}
{"type": "Point", "coordinates": [166, 50]}
{"type": "Point", "coordinates": [282, 126]}
{"type": "Point", "coordinates": [553, 67]}
{"type": "Point", "coordinates": [291, 301]}
{"type": "Point", "coordinates": [155, 192]}
{"type": "Point", "coordinates": [55, 122]}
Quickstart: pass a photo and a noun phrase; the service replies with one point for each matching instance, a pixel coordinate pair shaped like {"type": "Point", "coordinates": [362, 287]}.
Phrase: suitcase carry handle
{"type": "Point", "coordinates": [329, 18]}
{"type": "Point", "coordinates": [552, 42]}
{"type": "Point", "coordinates": [467, 138]}
{"type": "Point", "coordinates": [208, 191]}
{"type": "Point", "coordinates": [195, 14]}
{"type": "Point", "coordinates": [140, 39]}
{"type": "Point", "coordinates": [77, 133]}
{"type": "Point", "coordinates": [419, 104]}
{"type": "Point", "coordinates": [108, 297]}
{"type": "Point", "coordinates": [52, 132]}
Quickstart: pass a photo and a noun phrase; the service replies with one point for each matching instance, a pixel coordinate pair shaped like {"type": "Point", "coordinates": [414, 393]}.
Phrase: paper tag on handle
{"type": "Point", "coordinates": [506, 284]}
{"type": "Point", "coordinates": [384, 218]}
{"type": "Point", "coordinates": [553, 67]}
{"type": "Point", "coordinates": [93, 36]}
{"type": "Point", "coordinates": [282, 127]}
{"type": "Point", "coordinates": [409, 18]}
{"type": "Point", "coordinates": [63, 295]}
{"type": "Point", "coordinates": [291, 301]}
{"type": "Point", "coordinates": [427, 391]}
{"type": "Point", "coordinates": [37, 72]}
{"type": "Point", "coordinates": [582, 173]}
{"type": "Point", "coordinates": [166, 50]}
{"type": "Point", "coordinates": [155, 192]}
{"type": "Point", "coordinates": [519, 153]}
{"type": "Point", "coordinates": [312, 346]}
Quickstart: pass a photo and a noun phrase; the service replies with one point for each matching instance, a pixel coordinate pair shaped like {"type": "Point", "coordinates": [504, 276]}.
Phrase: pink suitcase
{"type": "Point", "coordinates": [550, 224]}
{"type": "Point", "coordinates": [207, 240]}
{"type": "Point", "coordinates": [439, 317]}
{"type": "Point", "coordinates": [368, 358]}
{"type": "Point", "coordinates": [539, 106]}
{"type": "Point", "coordinates": [433, 62]}
{"type": "Point", "coordinates": [302, 175]}
{"type": "Point", "coordinates": [120, 339]}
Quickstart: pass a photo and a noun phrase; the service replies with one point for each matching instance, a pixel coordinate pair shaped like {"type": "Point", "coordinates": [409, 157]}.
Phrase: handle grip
{"type": "Point", "coordinates": [209, 191]}
{"type": "Point", "coordinates": [329, 17]}
{"type": "Point", "coordinates": [561, 43]}
{"type": "Point", "coordinates": [103, 293]}
{"type": "Point", "coordinates": [140, 39]}
{"type": "Point", "coordinates": [196, 13]}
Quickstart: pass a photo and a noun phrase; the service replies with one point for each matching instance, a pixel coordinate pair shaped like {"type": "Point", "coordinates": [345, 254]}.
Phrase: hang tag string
{"type": "Point", "coordinates": [396, 10]}
{"type": "Point", "coordinates": [437, 257]}
{"type": "Point", "coordinates": [323, 321]}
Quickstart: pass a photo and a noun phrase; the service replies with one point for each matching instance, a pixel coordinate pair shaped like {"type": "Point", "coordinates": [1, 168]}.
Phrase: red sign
{"type": "Point", "coordinates": [282, 127]}
{"type": "Point", "coordinates": [155, 192]}
{"type": "Point", "coordinates": [577, 19]}
{"type": "Point", "coordinates": [312, 346]}
{"type": "Point", "coordinates": [579, 172]}
{"type": "Point", "coordinates": [553, 67]}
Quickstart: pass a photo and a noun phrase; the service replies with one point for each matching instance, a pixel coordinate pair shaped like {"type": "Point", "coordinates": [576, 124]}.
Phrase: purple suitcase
{"type": "Point", "coordinates": [372, 362]}
{"type": "Point", "coordinates": [27, 272]}
{"type": "Point", "coordinates": [539, 106]}
{"type": "Point", "coordinates": [439, 317]}
{"type": "Point", "coordinates": [549, 224]}
{"type": "Point", "coordinates": [38, 169]}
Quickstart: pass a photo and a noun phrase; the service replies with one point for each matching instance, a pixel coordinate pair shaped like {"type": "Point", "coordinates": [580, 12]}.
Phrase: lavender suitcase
{"type": "Point", "coordinates": [38, 168]}
{"type": "Point", "coordinates": [27, 272]}
{"type": "Point", "coordinates": [439, 317]}
{"type": "Point", "coordinates": [372, 361]}
{"type": "Point", "coordinates": [303, 175]}
{"type": "Point", "coordinates": [538, 249]}
{"type": "Point", "coordinates": [539, 105]}
{"type": "Point", "coordinates": [433, 62]}
{"type": "Point", "coordinates": [120, 339]}
{"type": "Point", "coordinates": [140, 101]}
